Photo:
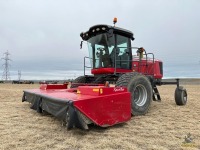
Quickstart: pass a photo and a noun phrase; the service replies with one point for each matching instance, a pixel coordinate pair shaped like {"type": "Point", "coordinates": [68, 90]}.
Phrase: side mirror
{"type": "Point", "coordinates": [81, 45]}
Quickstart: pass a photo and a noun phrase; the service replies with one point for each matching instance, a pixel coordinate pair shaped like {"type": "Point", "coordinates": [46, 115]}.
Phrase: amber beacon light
{"type": "Point", "coordinates": [115, 21]}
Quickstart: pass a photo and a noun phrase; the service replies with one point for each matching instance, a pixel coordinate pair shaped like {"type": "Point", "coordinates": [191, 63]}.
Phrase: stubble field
{"type": "Point", "coordinates": [164, 127]}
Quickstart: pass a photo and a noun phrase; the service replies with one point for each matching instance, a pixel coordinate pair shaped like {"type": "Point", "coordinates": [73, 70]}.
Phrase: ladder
{"type": "Point", "coordinates": [156, 94]}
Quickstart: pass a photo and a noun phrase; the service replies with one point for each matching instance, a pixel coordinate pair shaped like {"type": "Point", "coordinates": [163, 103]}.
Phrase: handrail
{"type": "Point", "coordinates": [139, 67]}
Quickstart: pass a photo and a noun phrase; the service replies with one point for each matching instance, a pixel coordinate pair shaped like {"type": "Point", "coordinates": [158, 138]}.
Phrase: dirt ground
{"type": "Point", "coordinates": [164, 127]}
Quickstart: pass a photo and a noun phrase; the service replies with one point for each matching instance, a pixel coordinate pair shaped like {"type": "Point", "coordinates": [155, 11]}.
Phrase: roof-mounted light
{"type": "Point", "coordinates": [103, 28]}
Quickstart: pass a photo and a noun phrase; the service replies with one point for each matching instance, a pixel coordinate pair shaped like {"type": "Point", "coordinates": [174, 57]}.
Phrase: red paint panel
{"type": "Point", "coordinates": [56, 94]}
{"type": "Point", "coordinates": [109, 70]}
{"type": "Point", "coordinates": [53, 86]}
{"type": "Point", "coordinates": [107, 110]}
{"type": "Point", "coordinates": [147, 67]}
{"type": "Point", "coordinates": [100, 90]}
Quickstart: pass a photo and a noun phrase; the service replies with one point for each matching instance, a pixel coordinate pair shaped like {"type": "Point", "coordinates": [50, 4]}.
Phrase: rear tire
{"type": "Point", "coordinates": [180, 96]}
{"type": "Point", "coordinates": [141, 91]}
{"type": "Point", "coordinates": [80, 79]}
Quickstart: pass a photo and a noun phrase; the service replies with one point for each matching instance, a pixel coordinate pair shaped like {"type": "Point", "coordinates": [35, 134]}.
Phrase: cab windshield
{"type": "Point", "coordinates": [103, 52]}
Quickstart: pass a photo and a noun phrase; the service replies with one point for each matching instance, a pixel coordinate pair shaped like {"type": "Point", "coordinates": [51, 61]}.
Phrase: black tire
{"type": "Point", "coordinates": [180, 96]}
{"type": "Point", "coordinates": [99, 80]}
{"type": "Point", "coordinates": [80, 79]}
{"type": "Point", "coordinates": [141, 91]}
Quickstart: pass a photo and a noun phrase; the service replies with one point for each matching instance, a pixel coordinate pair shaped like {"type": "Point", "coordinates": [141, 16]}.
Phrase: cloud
{"type": "Point", "coordinates": [46, 33]}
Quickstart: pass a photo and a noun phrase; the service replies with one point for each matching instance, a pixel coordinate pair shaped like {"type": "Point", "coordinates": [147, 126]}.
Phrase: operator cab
{"type": "Point", "coordinates": [109, 49]}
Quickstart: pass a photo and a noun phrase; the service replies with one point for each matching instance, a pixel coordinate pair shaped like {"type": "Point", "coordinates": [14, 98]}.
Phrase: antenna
{"type": "Point", "coordinates": [6, 65]}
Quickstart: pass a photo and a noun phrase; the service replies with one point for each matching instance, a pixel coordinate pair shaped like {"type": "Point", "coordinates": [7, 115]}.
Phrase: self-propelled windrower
{"type": "Point", "coordinates": [90, 99]}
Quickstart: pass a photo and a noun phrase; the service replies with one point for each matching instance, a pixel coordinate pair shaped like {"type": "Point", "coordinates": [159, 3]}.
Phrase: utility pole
{"type": "Point", "coordinates": [19, 75]}
{"type": "Point", "coordinates": [6, 65]}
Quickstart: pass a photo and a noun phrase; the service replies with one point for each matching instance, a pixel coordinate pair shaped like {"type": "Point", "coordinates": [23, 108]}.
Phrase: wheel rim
{"type": "Point", "coordinates": [140, 95]}
{"type": "Point", "coordinates": [184, 96]}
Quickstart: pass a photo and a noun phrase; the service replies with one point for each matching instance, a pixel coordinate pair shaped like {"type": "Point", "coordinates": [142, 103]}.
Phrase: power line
{"type": "Point", "coordinates": [6, 65]}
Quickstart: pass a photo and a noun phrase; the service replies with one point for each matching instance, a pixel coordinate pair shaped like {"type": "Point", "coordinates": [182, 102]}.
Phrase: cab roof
{"type": "Point", "coordinates": [102, 28]}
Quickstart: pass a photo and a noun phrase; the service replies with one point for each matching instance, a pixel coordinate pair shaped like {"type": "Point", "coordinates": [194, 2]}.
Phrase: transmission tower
{"type": "Point", "coordinates": [6, 65]}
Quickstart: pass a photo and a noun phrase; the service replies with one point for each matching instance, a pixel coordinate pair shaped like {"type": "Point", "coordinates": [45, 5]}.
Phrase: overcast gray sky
{"type": "Point", "coordinates": [43, 34]}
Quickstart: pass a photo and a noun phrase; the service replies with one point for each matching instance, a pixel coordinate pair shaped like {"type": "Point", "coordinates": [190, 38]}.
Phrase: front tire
{"type": "Point", "coordinates": [180, 96]}
{"type": "Point", "coordinates": [141, 91]}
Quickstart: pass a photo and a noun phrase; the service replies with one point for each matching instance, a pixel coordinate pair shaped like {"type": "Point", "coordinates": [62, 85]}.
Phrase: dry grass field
{"type": "Point", "coordinates": [164, 127]}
